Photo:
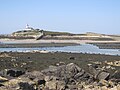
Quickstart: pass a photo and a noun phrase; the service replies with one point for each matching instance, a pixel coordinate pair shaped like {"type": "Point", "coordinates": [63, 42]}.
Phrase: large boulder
{"type": "Point", "coordinates": [72, 69]}
{"type": "Point", "coordinates": [98, 73]}
{"type": "Point", "coordinates": [103, 75]}
{"type": "Point", "coordinates": [35, 76]}
{"type": "Point", "coordinates": [68, 72]}
{"type": "Point", "coordinates": [116, 75]}
{"type": "Point", "coordinates": [26, 86]}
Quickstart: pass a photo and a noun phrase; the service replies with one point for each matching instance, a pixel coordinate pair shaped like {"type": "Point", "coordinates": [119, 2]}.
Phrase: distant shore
{"type": "Point", "coordinates": [43, 41]}
{"type": "Point", "coordinates": [32, 43]}
{"type": "Point", "coordinates": [54, 41]}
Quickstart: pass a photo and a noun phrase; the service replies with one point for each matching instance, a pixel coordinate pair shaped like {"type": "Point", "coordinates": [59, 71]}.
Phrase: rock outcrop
{"type": "Point", "coordinates": [60, 77]}
{"type": "Point", "coordinates": [99, 73]}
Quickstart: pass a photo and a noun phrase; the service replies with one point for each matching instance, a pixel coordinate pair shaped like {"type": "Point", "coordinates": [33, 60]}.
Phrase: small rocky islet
{"type": "Point", "coordinates": [60, 75]}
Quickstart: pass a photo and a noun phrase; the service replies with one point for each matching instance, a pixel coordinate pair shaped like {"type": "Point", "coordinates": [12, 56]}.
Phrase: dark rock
{"type": "Point", "coordinates": [62, 71]}
{"type": "Point", "coordinates": [28, 57]}
{"type": "Point", "coordinates": [35, 76]}
{"type": "Point", "coordinates": [116, 75]}
{"type": "Point", "coordinates": [11, 72]}
{"type": "Point", "coordinates": [55, 71]}
{"type": "Point", "coordinates": [70, 73]}
{"type": "Point", "coordinates": [39, 81]}
{"type": "Point", "coordinates": [1, 85]}
{"type": "Point", "coordinates": [19, 84]}
{"type": "Point", "coordinates": [26, 86]}
{"type": "Point", "coordinates": [15, 73]}
{"type": "Point", "coordinates": [72, 58]}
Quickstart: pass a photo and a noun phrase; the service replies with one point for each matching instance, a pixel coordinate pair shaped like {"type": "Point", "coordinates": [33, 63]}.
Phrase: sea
{"type": "Point", "coordinates": [82, 48]}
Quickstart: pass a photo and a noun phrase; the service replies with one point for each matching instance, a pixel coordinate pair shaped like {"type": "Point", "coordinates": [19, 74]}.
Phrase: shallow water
{"type": "Point", "coordinates": [83, 48]}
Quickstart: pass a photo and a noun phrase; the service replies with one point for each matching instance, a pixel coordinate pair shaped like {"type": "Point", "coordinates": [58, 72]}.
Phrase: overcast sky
{"type": "Point", "coordinates": [77, 16]}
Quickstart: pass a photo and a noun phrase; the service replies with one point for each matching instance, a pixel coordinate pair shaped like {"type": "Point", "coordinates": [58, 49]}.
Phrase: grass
{"type": "Point", "coordinates": [55, 33]}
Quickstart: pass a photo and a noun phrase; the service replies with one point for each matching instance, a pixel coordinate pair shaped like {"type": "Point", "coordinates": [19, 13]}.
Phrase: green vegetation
{"type": "Point", "coordinates": [56, 33]}
{"type": "Point", "coordinates": [27, 32]}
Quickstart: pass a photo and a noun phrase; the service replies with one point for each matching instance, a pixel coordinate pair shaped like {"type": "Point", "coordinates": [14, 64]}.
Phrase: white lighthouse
{"type": "Point", "coordinates": [27, 26]}
{"type": "Point", "coordinates": [29, 32]}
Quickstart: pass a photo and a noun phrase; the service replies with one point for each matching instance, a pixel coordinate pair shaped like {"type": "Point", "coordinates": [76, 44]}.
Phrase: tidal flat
{"type": "Point", "coordinates": [37, 61]}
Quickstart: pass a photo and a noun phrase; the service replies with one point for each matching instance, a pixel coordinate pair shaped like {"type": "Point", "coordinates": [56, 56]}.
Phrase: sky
{"type": "Point", "coordinates": [75, 16]}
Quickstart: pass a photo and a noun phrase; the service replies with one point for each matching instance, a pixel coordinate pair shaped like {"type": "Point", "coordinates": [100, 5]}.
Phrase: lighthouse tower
{"type": "Point", "coordinates": [27, 26]}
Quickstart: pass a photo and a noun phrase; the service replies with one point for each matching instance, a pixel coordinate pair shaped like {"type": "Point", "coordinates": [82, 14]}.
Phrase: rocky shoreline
{"type": "Point", "coordinates": [58, 71]}
{"type": "Point", "coordinates": [60, 77]}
